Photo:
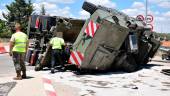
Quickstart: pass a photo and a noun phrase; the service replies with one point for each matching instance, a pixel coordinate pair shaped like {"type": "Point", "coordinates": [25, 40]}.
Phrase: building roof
{"type": "Point", "coordinates": [165, 43]}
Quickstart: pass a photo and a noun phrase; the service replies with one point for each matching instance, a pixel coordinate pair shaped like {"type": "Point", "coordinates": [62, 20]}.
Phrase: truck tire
{"type": "Point", "coordinates": [165, 57]}
{"type": "Point", "coordinates": [129, 65]}
{"type": "Point", "coordinates": [38, 66]}
{"type": "Point", "coordinates": [146, 60]}
{"type": "Point", "coordinates": [125, 62]}
{"type": "Point", "coordinates": [89, 7]}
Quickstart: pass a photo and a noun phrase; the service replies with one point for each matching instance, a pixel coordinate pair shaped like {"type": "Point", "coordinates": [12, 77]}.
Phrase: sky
{"type": "Point", "coordinates": [159, 9]}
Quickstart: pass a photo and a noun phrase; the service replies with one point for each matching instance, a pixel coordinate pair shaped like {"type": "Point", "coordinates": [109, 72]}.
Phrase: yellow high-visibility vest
{"type": "Point", "coordinates": [20, 41]}
{"type": "Point", "coordinates": [57, 43]}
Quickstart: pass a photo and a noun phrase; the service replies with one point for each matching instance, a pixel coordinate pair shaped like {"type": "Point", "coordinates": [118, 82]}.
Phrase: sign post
{"type": "Point", "coordinates": [149, 18]}
{"type": "Point", "coordinates": [150, 26]}
{"type": "Point", "coordinates": [140, 18]}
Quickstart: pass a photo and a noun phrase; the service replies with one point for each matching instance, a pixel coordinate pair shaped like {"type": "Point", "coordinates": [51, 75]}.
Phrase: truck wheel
{"type": "Point", "coordinates": [129, 64]}
{"type": "Point", "coordinates": [145, 61]}
{"type": "Point", "coordinates": [163, 57]}
{"type": "Point", "coordinates": [37, 69]}
{"type": "Point", "coordinates": [38, 66]}
{"type": "Point", "coordinates": [130, 67]}
{"type": "Point", "coordinates": [89, 7]}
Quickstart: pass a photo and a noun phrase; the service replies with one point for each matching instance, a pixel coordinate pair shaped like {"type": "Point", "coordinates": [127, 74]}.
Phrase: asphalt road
{"type": "Point", "coordinates": [7, 66]}
{"type": "Point", "coordinates": [145, 82]}
{"type": "Point", "coordinates": [7, 84]}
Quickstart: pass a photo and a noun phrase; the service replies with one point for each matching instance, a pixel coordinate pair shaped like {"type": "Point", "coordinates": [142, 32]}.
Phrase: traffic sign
{"type": "Point", "coordinates": [149, 18]}
{"type": "Point", "coordinates": [150, 26]}
{"type": "Point", "coordinates": [140, 18]}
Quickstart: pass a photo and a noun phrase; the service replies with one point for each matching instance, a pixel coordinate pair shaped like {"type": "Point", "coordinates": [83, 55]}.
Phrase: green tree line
{"type": "Point", "coordinates": [164, 35]}
{"type": "Point", "coordinates": [4, 31]}
{"type": "Point", "coordinates": [18, 12]}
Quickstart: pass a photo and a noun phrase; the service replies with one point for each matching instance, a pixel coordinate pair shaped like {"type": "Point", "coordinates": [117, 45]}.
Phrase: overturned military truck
{"type": "Point", "coordinates": [41, 29]}
{"type": "Point", "coordinates": [111, 40]}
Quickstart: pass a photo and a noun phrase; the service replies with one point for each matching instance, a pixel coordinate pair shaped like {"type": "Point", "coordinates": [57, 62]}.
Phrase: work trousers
{"type": "Point", "coordinates": [18, 59]}
{"type": "Point", "coordinates": [56, 58]}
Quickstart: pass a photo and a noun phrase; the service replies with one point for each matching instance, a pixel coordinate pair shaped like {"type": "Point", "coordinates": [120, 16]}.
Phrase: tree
{"type": "Point", "coordinates": [163, 35]}
{"type": "Point", "coordinates": [2, 25]}
{"type": "Point", "coordinates": [4, 32]}
{"type": "Point", "coordinates": [43, 11]}
{"type": "Point", "coordinates": [19, 11]}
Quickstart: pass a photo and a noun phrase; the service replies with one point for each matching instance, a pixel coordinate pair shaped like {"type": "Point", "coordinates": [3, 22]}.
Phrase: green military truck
{"type": "Point", "coordinates": [111, 40]}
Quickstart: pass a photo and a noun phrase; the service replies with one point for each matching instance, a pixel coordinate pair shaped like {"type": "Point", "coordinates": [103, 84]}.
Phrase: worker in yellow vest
{"type": "Point", "coordinates": [18, 48]}
{"type": "Point", "coordinates": [56, 43]}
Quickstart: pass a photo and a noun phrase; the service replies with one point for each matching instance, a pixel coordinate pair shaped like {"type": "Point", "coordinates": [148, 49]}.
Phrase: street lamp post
{"type": "Point", "coordinates": [146, 10]}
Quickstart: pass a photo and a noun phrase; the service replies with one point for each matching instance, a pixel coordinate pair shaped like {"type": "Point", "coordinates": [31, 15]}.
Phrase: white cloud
{"type": "Point", "coordinates": [164, 4]}
{"type": "Point", "coordinates": [52, 9]}
{"type": "Point", "coordinates": [84, 14]}
{"type": "Point", "coordinates": [138, 5]}
{"type": "Point", "coordinates": [1, 14]}
{"type": "Point", "coordinates": [167, 14]}
{"type": "Point", "coordinates": [154, 1]}
{"type": "Point", "coordinates": [133, 12]}
{"type": "Point", "coordinates": [47, 5]}
{"type": "Point", "coordinates": [2, 5]}
{"type": "Point", "coordinates": [161, 21]}
{"type": "Point", "coordinates": [61, 12]}
{"type": "Point", "coordinates": [161, 3]}
{"type": "Point", "coordinates": [159, 18]}
{"type": "Point", "coordinates": [157, 12]}
{"type": "Point", "coordinates": [137, 8]}
{"type": "Point", "coordinates": [157, 1]}
{"type": "Point", "coordinates": [2, 11]}
{"type": "Point", "coordinates": [57, 1]}
{"type": "Point", "coordinates": [162, 24]}
{"type": "Point", "coordinates": [106, 3]}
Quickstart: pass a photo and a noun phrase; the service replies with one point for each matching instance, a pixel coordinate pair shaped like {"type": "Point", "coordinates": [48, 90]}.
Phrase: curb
{"type": "Point", "coordinates": [49, 89]}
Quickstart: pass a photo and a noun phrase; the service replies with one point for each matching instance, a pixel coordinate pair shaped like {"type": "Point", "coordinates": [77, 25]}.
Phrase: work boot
{"type": "Point", "coordinates": [18, 77]}
{"type": "Point", "coordinates": [52, 70]}
{"type": "Point", "coordinates": [24, 76]}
